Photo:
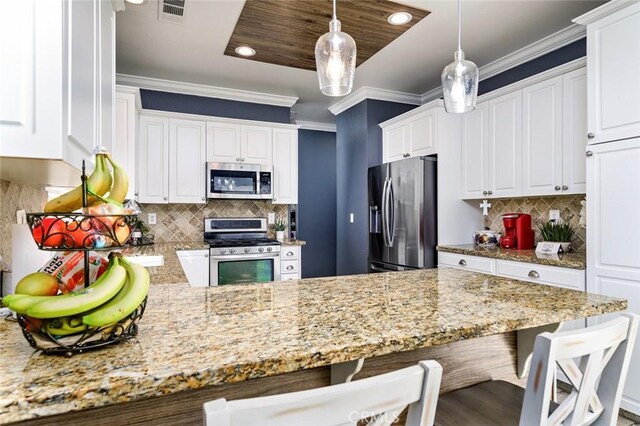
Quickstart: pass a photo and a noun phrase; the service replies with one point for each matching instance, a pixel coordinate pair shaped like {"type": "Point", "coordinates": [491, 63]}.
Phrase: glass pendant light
{"type": "Point", "coordinates": [335, 60]}
{"type": "Point", "coordinates": [460, 81]}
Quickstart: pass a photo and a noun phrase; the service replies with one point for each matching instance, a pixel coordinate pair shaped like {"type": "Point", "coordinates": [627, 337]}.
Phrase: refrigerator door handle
{"type": "Point", "coordinates": [384, 213]}
{"type": "Point", "coordinates": [392, 213]}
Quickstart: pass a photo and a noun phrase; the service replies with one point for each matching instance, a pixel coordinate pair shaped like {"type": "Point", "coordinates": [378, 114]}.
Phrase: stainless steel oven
{"type": "Point", "coordinates": [239, 181]}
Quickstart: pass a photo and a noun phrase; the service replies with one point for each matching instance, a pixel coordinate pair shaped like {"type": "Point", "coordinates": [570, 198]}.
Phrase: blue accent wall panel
{"type": "Point", "coordinates": [358, 146]}
{"type": "Point", "coordinates": [201, 105]}
{"type": "Point", "coordinates": [316, 214]}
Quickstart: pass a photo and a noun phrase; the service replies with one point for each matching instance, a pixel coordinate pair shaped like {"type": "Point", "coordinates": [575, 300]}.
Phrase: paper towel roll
{"type": "Point", "coordinates": [25, 255]}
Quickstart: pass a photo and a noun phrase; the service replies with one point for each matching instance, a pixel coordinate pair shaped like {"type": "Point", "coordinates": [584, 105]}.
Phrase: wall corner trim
{"type": "Point", "coordinates": [312, 125]}
{"type": "Point", "coordinates": [374, 93]}
{"type": "Point", "coordinates": [204, 90]}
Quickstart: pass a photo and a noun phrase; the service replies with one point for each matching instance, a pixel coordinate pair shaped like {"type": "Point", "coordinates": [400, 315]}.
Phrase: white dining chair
{"type": "Point", "coordinates": [381, 399]}
{"type": "Point", "coordinates": [603, 353]}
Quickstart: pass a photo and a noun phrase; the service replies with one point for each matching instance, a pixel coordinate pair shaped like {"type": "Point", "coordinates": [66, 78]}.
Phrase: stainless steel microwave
{"type": "Point", "coordinates": [239, 181]}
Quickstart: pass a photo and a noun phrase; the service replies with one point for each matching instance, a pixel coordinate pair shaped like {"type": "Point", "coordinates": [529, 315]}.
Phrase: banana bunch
{"type": "Point", "coordinates": [99, 183]}
{"type": "Point", "coordinates": [114, 296]}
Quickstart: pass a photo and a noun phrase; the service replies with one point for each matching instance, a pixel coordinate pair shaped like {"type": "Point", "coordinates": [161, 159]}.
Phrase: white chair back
{"type": "Point", "coordinates": [381, 398]}
{"type": "Point", "coordinates": [603, 353]}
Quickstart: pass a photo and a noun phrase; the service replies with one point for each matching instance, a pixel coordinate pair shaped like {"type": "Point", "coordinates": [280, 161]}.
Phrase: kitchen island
{"type": "Point", "coordinates": [197, 344]}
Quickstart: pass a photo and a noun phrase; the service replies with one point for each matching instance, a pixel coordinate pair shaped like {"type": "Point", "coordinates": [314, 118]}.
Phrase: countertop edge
{"type": "Point", "coordinates": [497, 253]}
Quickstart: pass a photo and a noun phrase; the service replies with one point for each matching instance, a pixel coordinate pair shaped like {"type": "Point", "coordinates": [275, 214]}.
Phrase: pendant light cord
{"type": "Point", "coordinates": [334, 10]}
{"type": "Point", "coordinates": [459, 25]}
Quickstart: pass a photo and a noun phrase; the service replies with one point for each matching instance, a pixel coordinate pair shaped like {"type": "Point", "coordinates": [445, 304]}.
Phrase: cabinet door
{"type": "Point", "coordinates": [186, 161]}
{"type": "Point", "coordinates": [82, 85]}
{"type": "Point", "coordinates": [255, 142]}
{"type": "Point", "coordinates": [123, 148]}
{"type": "Point", "coordinates": [505, 146]}
{"type": "Point", "coordinates": [542, 138]}
{"type": "Point", "coordinates": [423, 134]}
{"type": "Point", "coordinates": [153, 161]}
{"type": "Point", "coordinates": [574, 129]}
{"type": "Point", "coordinates": [223, 142]}
{"type": "Point", "coordinates": [195, 264]}
{"type": "Point", "coordinates": [394, 142]}
{"type": "Point", "coordinates": [613, 63]}
{"type": "Point", "coordinates": [285, 166]}
{"type": "Point", "coordinates": [106, 60]}
{"type": "Point", "coordinates": [475, 152]}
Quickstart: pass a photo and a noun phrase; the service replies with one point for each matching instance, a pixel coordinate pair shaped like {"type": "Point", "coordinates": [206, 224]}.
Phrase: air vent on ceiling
{"type": "Point", "coordinates": [171, 10]}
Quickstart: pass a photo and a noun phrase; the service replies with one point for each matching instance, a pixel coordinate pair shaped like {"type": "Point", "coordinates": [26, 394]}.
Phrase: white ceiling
{"type": "Point", "coordinates": [193, 51]}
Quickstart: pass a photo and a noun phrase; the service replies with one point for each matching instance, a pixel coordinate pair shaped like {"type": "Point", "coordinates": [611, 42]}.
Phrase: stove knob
{"type": "Point", "coordinates": [269, 249]}
{"type": "Point", "coordinates": [260, 249]}
{"type": "Point", "coordinates": [247, 250]}
{"type": "Point", "coordinates": [232, 251]}
{"type": "Point", "coordinates": [223, 251]}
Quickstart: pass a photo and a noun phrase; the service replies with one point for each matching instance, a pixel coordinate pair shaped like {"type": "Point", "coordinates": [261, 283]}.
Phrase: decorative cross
{"type": "Point", "coordinates": [485, 205]}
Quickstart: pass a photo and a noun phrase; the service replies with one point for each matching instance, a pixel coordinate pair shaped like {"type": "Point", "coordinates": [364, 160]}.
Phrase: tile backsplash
{"type": "Point", "coordinates": [13, 197]}
{"type": "Point", "coordinates": [538, 208]}
{"type": "Point", "coordinates": [184, 222]}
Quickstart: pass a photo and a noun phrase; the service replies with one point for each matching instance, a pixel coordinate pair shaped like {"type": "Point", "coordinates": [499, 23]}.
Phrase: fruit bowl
{"type": "Point", "coordinates": [70, 231]}
{"type": "Point", "coordinates": [35, 331]}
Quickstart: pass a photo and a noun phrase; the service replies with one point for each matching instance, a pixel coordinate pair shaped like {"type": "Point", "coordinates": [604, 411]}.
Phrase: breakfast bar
{"type": "Point", "coordinates": [198, 344]}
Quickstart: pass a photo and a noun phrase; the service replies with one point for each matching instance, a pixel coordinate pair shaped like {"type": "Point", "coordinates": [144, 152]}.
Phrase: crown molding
{"type": "Point", "coordinates": [312, 125]}
{"type": "Point", "coordinates": [204, 90]}
{"type": "Point", "coordinates": [132, 91]}
{"type": "Point", "coordinates": [373, 93]}
{"type": "Point", "coordinates": [534, 50]}
{"type": "Point", "coordinates": [214, 119]}
{"type": "Point", "coordinates": [602, 11]}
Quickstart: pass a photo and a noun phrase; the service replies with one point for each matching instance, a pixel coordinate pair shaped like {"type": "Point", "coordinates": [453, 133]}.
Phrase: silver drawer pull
{"type": "Point", "coordinates": [462, 262]}
{"type": "Point", "coordinates": [290, 268]}
{"type": "Point", "coordinates": [534, 274]}
{"type": "Point", "coordinates": [290, 253]}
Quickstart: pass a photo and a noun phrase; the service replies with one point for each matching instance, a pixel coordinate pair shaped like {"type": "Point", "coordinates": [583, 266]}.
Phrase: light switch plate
{"type": "Point", "coordinates": [271, 218]}
{"type": "Point", "coordinates": [151, 218]}
{"type": "Point", "coordinates": [554, 215]}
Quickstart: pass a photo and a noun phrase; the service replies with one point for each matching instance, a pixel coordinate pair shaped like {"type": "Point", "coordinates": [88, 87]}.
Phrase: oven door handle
{"type": "Point", "coordinates": [244, 256]}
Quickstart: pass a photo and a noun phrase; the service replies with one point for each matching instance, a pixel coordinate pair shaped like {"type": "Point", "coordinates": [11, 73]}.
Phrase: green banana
{"type": "Point", "coordinates": [105, 287]}
{"type": "Point", "coordinates": [64, 326]}
{"type": "Point", "coordinates": [99, 182]}
{"type": "Point", "coordinates": [120, 182]}
{"type": "Point", "coordinates": [126, 301]}
{"type": "Point", "coordinates": [19, 303]}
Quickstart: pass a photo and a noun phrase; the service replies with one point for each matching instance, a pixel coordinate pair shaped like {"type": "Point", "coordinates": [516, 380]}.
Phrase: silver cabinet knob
{"type": "Point", "coordinates": [204, 199]}
{"type": "Point", "coordinates": [290, 268]}
{"type": "Point", "coordinates": [490, 192]}
{"type": "Point", "coordinates": [590, 136]}
{"type": "Point", "coordinates": [206, 255]}
{"type": "Point", "coordinates": [238, 159]}
{"type": "Point", "coordinates": [557, 188]}
{"type": "Point", "coordinates": [165, 198]}
{"type": "Point", "coordinates": [534, 274]}
{"type": "Point", "coordinates": [462, 262]}
{"type": "Point", "coordinates": [484, 192]}
{"type": "Point", "coordinates": [565, 187]}
{"type": "Point", "coordinates": [589, 153]}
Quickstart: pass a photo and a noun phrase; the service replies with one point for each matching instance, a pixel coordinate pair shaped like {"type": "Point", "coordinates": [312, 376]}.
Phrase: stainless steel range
{"type": "Point", "coordinates": [240, 252]}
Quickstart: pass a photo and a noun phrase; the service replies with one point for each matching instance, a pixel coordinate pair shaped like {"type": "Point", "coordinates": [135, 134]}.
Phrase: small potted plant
{"type": "Point", "coordinates": [280, 226]}
{"type": "Point", "coordinates": [557, 233]}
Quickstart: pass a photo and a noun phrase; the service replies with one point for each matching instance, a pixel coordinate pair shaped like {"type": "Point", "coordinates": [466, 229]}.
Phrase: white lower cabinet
{"type": "Point", "coordinates": [471, 263]}
{"type": "Point", "coordinates": [290, 263]}
{"type": "Point", "coordinates": [196, 266]}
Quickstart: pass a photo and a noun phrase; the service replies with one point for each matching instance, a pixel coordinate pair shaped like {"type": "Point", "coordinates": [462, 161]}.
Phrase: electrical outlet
{"type": "Point", "coordinates": [351, 219]}
{"type": "Point", "coordinates": [554, 215]}
{"type": "Point", "coordinates": [271, 218]}
{"type": "Point", "coordinates": [151, 218]}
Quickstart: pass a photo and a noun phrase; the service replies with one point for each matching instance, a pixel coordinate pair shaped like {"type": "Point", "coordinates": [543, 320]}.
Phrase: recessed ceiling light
{"type": "Point", "coordinates": [135, 1]}
{"type": "Point", "coordinates": [245, 51]}
{"type": "Point", "coordinates": [399, 18]}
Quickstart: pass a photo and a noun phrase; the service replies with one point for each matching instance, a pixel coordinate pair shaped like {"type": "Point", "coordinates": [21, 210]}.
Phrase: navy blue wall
{"type": "Point", "coordinates": [201, 105]}
{"type": "Point", "coordinates": [316, 214]}
{"type": "Point", "coordinates": [358, 146]}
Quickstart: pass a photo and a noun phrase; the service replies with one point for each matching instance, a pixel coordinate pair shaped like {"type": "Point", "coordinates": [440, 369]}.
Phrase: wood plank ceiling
{"type": "Point", "coordinates": [284, 32]}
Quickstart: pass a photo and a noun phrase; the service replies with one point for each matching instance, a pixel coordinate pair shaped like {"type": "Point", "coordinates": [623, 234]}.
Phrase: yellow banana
{"type": "Point", "coordinates": [120, 182]}
{"type": "Point", "coordinates": [64, 326]}
{"type": "Point", "coordinates": [126, 301]}
{"type": "Point", "coordinates": [19, 303]}
{"type": "Point", "coordinates": [99, 182]}
{"type": "Point", "coordinates": [105, 287]}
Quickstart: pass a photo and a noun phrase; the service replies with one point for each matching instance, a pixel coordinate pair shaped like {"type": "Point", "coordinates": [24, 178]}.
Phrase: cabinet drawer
{"type": "Point", "coordinates": [551, 275]}
{"type": "Point", "coordinates": [289, 277]}
{"type": "Point", "coordinates": [290, 253]}
{"type": "Point", "coordinates": [463, 261]}
{"type": "Point", "coordinates": [289, 267]}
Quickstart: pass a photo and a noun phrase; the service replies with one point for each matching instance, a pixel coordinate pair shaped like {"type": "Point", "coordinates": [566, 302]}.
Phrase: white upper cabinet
{"type": "Point", "coordinates": [57, 78]}
{"type": "Point", "coordinates": [505, 144]}
{"type": "Point", "coordinates": [153, 160]}
{"type": "Point", "coordinates": [574, 128]}
{"type": "Point", "coordinates": [412, 134]}
{"type": "Point", "coordinates": [123, 149]}
{"type": "Point", "coordinates": [285, 166]}
{"type": "Point", "coordinates": [223, 142]}
{"type": "Point", "coordinates": [542, 138]}
{"type": "Point", "coordinates": [255, 143]}
{"type": "Point", "coordinates": [613, 64]}
{"type": "Point", "coordinates": [475, 152]}
{"type": "Point", "coordinates": [187, 172]}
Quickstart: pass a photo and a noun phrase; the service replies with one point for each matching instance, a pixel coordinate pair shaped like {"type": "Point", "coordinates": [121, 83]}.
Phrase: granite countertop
{"type": "Point", "coordinates": [288, 242]}
{"type": "Point", "coordinates": [574, 260]}
{"type": "Point", "coordinates": [195, 337]}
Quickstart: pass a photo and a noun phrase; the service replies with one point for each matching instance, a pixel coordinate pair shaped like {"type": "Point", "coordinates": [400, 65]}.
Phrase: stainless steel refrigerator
{"type": "Point", "coordinates": [402, 215]}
